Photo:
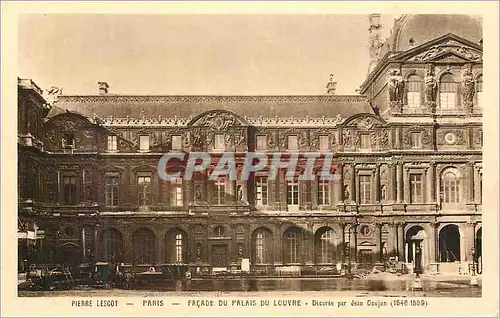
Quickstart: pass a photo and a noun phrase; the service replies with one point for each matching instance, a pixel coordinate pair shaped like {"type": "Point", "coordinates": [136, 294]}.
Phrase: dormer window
{"type": "Point", "coordinates": [414, 92]}
{"type": "Point", "coordinates": [447, 92]}
{"type": "Point", "coordinates": [68, 141]}
{"type": "Point", "coordinates": [112, 143]}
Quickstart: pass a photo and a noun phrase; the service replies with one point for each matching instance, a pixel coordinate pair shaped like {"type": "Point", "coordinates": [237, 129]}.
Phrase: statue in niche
{"type": "Point", "coordinates": [197, 194]}
{"type": "Point", "coordinates": [347, 195]}
{"type": "Point", "coordinates": [395, 84]}
{"type": "Point", "coordinates": [467, 87]}
{"type": "Point", "coordinates": [430, 85]}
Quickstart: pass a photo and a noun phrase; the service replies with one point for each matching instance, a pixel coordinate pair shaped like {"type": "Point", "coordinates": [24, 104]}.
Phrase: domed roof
{"type": "Point", "coordinates": [413, 30]}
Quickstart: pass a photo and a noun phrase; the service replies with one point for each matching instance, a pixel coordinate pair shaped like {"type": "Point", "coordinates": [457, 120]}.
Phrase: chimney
{"type": "Point", "coordinates": [376, 42]}
{"type": "Point", "coordinates": [103, 88]}
{"type": "Point", "coordinates": [331, 86]}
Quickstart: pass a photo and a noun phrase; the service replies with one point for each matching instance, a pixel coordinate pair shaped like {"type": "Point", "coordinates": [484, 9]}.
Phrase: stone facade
{"type": "Point", "coordinates": [410, 168]}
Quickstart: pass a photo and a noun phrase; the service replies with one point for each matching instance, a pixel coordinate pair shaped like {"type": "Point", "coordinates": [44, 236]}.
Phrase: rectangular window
{"type": "Point", "coordinates": [324, 143]}
{"type": "Point", "coordinates": [68, 141]}
{"type": "Point", "coordinates": [324, 192]}
{"type": "Point", "coordinates": [293, 143]}
{"type": "Point", "coordinates": [413, 99]}
{"type": "Point", "coordinates": [219, 192]}
{"type": "Point", "coordinates": [69, 184]}
{"type": "Point", "coordinates": [144, 142]}
{"type": "Point", "coordinates": [416, 140]}
{"type": "Point", "coordinates": [261, 190]}
{"type": "Point", "coordinates": [447, 95]}
{"type": "Point", "coordinates": [259, 248]}
{"type": "Point", "coordinates": [176, 142]}
{"type": "Point", "coordinates": [111, 191]}
{"type": "Point", "coordinates": [176, 192]}
{"type": "Point", "coordinates": [261, 142]}
{"type": "Point", "coordinates": [364, 189]}
{"type": "Point", "coordinates": [416, 188]}
{"type": "Point", "coordinates": [479, 92]}
{"type": "Point", "coordinates": [292, 192]}
{"type": "Point", "coordinates": [112, 143]}
{"type": "Point", "coordinates": [413, 95]}
{"type": "Point", "coordinates": [144, 191]}
{"type": "Point", "coordinates": [365, 142]}
{"type": "Point", "coordinates": [178, 248]}
{"type": "Point", "coordinates": [219, 142]}
{"type": "Point", "coordinates": [293, 245]}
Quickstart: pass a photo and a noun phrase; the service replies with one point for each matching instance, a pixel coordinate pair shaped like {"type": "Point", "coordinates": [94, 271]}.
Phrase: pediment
{"type": "Point", "coordinates": [218, 120]}
{"type": "Point", "coordinates": [449, 54]}
{"type": "Point", "coordinates": [448, 48]}
{"type": "Point", "coordinates": [363, 122]}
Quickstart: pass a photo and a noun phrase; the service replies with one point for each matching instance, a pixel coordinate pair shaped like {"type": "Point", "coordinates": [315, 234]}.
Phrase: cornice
{"type": "Point", "coordinates": [163, 99]}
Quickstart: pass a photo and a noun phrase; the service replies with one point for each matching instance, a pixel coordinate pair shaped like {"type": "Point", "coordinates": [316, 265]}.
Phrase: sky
{"type": "Point", "coordinates": [195, 54]}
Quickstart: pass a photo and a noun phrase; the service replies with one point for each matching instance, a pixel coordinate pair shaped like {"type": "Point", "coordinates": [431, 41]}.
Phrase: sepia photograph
{"type": "Point", "coordinates": [248, 157]}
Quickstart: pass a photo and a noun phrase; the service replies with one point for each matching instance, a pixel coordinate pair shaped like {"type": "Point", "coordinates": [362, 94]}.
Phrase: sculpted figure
{"type": "Point", "coordinates": [395, 83]}
{"type": "Point", "coordinates": [467, 87]}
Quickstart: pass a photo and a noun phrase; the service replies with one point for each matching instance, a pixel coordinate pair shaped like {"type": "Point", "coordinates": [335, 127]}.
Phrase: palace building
{"type": "Point", "coordinates": [408, 150]}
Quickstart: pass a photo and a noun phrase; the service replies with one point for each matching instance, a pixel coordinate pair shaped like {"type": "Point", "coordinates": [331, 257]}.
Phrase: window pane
{"type": "Point", "coordinates": [261, 190]}
{"type": "Point", "coordinates": [112, 143]}
{"type": "Point", "coordinates": [323, 143]}
{"type": "Point", "coordinates": [413, 99]}
{"type": "Point", "coordinates": [292, 143]}
{"type": "Point", "coordinates": [365, 142]}
{"type": "Point", "coordinates": [176, 142]}
{"type": "Point", "coordinates": [219, 142]}
{"type": "Point", "coordinates": [144, 142]}
{"type": "Point", "coordinates": [261, 142]}
{"type": "Point", "coordinates": [364, 189]}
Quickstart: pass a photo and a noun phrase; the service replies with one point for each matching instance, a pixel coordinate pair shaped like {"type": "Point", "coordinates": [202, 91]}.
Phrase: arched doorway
{"type": "Point", "coordinates": [326, 246]}
{"type": "Point", "coordinates": [112, 245]}
{"type": "Point", "coordinates": [449, 244]}
{"type": "Point", "coordinates": [479, 250]}
{"type": "Point", "coordinates": [416, 247]}
{"type": "Point", "coordinates": [176, 246]}
{"type": "Point", "coordinates": [262, 246]}
{"type": "Point", "coordinates": [144, 247]}
{"type": "Point", "coordinates": [70, 256]}
{"type": "Point", "coordinates": [293, 239]}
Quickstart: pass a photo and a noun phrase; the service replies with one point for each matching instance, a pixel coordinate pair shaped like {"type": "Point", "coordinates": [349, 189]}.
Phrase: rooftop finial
{"type": "Point", "coordinates": [331, 86]}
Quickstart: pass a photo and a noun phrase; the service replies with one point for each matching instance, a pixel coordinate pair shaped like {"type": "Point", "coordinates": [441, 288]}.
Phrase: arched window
{"type": "Point", "coordinates": [292, 245]}
{"type": "Point", "coordinates": [262, 246]}
{"type": "Point", "coordinates": [450, 186]}
{"type": "Point", "coordinates": [413, 95]}
{"type": "Point", "coordinates": [326, 245]}
{"type": "Point", "coordinates": [479, 90]}
{"type": "Point", "coordinates": [111, 245]}
{"type": "Point", "coordinates": [144, 246]}
{"type": "Point", "coordinates": [447, 92]}
{"type": "Point", "coordinates": [176, 246]}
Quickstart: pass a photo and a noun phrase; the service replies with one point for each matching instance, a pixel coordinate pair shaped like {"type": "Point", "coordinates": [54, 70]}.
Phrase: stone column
{"type": "Point", "coordinates": [399, 182]}
{"type": "Point", "coordinates": [161, 256]}
{"type": "Point", "coordinates": [430, 183]}
{"type": "Point", "coordinates": [376, 188]}
{"type": "Point", "coordinates": [342, 227]}
{"type": "Point", "coordinates": [355, 245]}
{"type": "Point", "coordinates": [309, 244]}
{"type": "Point", "coordinates": [378, 242]}
{"type": "Point", "coordinates": [433, 242]}
{"type": "Point", "coordinates": [392, 241]}
{"type": "Point", "coordinates": [338, 185]}
{"type": "Point", "coordinates": [470, 182]}
{"type": "Point", "coordinates": [393, 185]}
{"type": "Point", "coordinates": [278, 253]}
{"type": "Point", "coordinates": [401, 242]}
{"type": "Point", "coordinates": [406, 185]}
{"type": "Point", "coordinates": [128, 248]}
{"type": "Point", "coordinates": [353, 184]}
{"type": "Point", "coordinates": [463, 243]}
{"type": "Point", "coordinates": [470, 237]}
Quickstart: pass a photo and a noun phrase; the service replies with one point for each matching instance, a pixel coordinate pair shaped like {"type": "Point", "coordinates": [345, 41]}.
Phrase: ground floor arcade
{"type": "Point", "coordinates": [269, 244]}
